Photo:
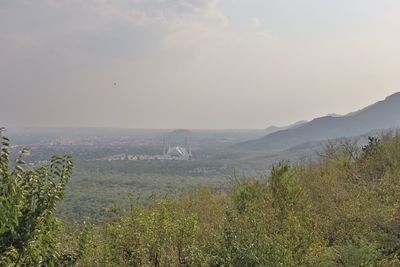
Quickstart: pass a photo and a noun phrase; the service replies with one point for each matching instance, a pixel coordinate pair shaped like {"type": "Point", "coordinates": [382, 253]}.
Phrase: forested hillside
{"type": "Point", "coordinates": [341, 210]}
{"type": "Point", "coordinates": [381, 115]}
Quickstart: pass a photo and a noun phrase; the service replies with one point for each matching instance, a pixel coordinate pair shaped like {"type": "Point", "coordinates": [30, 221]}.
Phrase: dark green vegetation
{"type": "Point", "coordinates": [97, 183]}
{"type": "Point", "coordinates": [219, 156]}
{"type": "Point", "coordinates": [30, 234]}
{"type": "Point", "coordinates": [91, 193]}
{"type": "Point", "coordinates": [340, 210]}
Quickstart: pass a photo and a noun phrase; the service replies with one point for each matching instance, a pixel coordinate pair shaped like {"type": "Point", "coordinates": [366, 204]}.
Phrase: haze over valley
{"type": "Point", "coordinates": [199, 133]}
{"type": "Point", "coordinates": [112, 163]}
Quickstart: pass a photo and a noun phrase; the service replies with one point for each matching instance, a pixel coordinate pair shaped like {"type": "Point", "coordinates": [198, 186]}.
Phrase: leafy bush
{"type": "Point", "coordinates": [342, 210]}
{"type": "Point", "coordinates": [30, 234]}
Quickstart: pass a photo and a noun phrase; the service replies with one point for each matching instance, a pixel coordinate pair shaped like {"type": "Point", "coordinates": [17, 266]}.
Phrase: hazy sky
{"type": "Point", "coordinates": [193, 63]}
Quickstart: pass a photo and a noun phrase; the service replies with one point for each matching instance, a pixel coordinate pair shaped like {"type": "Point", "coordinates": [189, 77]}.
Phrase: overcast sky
{"type": "Point", "coordinates": [193, 63]}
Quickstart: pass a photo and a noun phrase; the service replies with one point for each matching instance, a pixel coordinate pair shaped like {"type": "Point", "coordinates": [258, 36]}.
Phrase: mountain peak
{"type": "Point", "coordinates": [381, 115]}
{"type": "Point", "coordinates": [393, 96]}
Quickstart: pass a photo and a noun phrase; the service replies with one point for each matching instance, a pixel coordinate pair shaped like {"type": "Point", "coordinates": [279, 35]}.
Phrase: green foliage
{"type": "Point", "coordinates": [164, 234]}
{"type": "Point", "coordinates": [361, 254]}
{"type": "Point", "coordinates": [342, 210]}
{"type": "Point", "coordinates": [29, 232]}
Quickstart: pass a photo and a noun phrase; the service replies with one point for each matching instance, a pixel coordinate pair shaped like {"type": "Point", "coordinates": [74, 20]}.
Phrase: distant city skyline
{"type": "Point", "coordinates": [193, 64]}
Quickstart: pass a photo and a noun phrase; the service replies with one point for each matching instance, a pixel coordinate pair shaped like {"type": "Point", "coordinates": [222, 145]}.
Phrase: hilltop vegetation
{"type": "Point", "coordinates": [342, 210]}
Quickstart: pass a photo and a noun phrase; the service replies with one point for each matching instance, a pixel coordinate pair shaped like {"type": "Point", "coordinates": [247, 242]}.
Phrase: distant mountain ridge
{"type": "Point", "coordinates": [384, 114]}
{"type": "Point", "coordinates": [273, 129]}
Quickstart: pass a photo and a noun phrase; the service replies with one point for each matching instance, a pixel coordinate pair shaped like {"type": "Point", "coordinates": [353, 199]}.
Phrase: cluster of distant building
{"type": "Point", "coordinates": [176, 153]}
{"type": "Point", "coordinates": [170, 152]}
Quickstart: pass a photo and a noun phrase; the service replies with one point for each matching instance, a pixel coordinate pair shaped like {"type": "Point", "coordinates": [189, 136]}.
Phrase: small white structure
{"type": "Point", "coordinates": [178, 151]}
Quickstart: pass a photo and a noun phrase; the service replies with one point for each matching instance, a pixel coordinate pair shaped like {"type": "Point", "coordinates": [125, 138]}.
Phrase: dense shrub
{"type": "Point", "coordinates": [30, 235]}
{"type": "Point", "coordinates": [342, 210]}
